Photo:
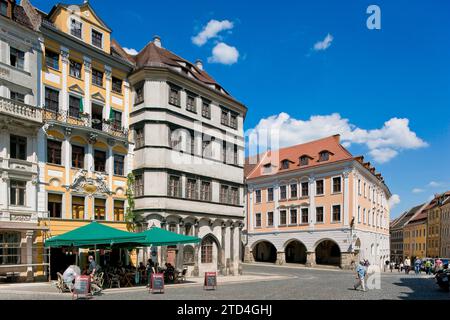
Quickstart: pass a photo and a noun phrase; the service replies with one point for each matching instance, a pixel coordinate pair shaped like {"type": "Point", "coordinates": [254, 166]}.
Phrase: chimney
{"type": "Point", "coordinates": [157, 41]}
{"type": "Point", "coordinates": [199, 64]}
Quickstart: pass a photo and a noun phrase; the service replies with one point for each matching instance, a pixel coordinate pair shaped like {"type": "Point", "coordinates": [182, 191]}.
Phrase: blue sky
{"type": "Point", "coordinates": [365, 77]}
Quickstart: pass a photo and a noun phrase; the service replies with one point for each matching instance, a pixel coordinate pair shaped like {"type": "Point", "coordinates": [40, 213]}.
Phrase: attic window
{"type": "Point", "coordinates": [97, 38]}
{"type": "Point", "coordinates": [75, 28]}
{"type": "Point", "coordinates": [285, 164]}
{"type": "Point", "coordinates": [324, 156]}
{"type": "Point", "coordinates": [304, 161]}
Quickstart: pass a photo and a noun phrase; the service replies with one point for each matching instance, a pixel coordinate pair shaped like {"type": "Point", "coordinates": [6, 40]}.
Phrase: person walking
{"type": "Point", "coordinates": [417, 264]}
{"type": "Point", "coordinates": [428, 267]}
{"type": "Point", "coordinates": [407, 265]}
{"type": "Point", "coordinates": [400, 267]}
{"type": "Point", "coordinates": [392, 266]}
{"type": "Point", "coordinates": [360, 276]}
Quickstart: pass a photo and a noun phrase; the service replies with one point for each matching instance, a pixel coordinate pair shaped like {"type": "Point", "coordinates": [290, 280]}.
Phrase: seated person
{"type": "Point", "coordinates": [69, 277]}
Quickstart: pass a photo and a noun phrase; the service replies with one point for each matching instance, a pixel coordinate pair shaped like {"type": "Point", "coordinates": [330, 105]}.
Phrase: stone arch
{"type": "Point", "coordinates": [264, 251]}
{"type": "Point", "coordinates": [295, 251]}
{"type": "Point", "coordinates": [328, 252]}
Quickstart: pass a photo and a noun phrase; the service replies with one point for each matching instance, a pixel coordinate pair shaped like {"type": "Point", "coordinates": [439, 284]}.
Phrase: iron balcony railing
{"type": "Point", "coordinates": [20, 110]}
{"type": "Point", "coordinates": [86, 121]}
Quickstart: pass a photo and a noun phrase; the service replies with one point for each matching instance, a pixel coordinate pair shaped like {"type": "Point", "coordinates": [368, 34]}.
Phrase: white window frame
{"type": "Point", "coordinates": [324, 187]}
{"type": "Point", "coordinates": [287, 192]}
{"type": "Point", "coordinates": [256, 226]}
{"type": "Point", "coordinates": [331, 212]}
{"type": "Point", "coordinates": [273, 194]}
{"type": "Point", "coordinates": [300, 222]}
{"type": "Point", "coordinates": [290, 214]}
{"type": "Point", "coordinates": [290, 189]}
{"type": "Point", "coordinates": [332, 185]}
{"type": "Point", "coordinates": [256, 197]}
{"type": "Point", "coordinates": [301, 189]}
{"type": "Point", "coordinates": [359, 214]}
{"type": "Point", "coordinates": [279, 217]}
{"type": "Point", "coordinates": [103, 37]}
{"type": "Point", "coordinates": [267, 219]}
{"type": "Point", "coordinates": [324, 214]}
{"type": "Point", "coordinates": [82, 27]}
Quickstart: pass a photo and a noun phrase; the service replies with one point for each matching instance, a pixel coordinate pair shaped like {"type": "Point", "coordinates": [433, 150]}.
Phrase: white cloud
{"type": "Point", "coordinates": [394, 201]}
{"type": "Point", "coordinates": [324, 44]}
{"type": "Point", "coordinates": [435, 184]}
{"type": "Point", "coordinates": [418, 190]}
{"type": "Point", "coordinates": [131, 51]}
{"type": "Point", "coordinates": [383, 144]}
{"type": "Point", "coordinates": [225, 54]}
{"type": "Point", "coordinates": [211, 30]}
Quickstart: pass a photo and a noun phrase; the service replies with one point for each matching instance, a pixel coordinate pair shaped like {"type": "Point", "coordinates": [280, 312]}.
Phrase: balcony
{"type": "Point", "coordinates": [85, 121]}
{"type": "Point", "coordinates": [20, 110]}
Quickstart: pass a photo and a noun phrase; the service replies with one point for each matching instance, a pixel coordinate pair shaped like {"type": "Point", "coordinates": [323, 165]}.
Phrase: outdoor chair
{"type": "Point", "coordinates": [60, 284]}
{"type": "Point", "coordinates": [114, 280]}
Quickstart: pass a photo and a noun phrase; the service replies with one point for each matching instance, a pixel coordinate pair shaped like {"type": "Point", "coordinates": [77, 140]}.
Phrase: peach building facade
{"type": "Point", "coordinates": [315, 203]}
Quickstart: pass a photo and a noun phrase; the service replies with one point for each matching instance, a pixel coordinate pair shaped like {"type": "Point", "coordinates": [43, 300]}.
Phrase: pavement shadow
{"type": "Point", "coordinates": [421, 289]}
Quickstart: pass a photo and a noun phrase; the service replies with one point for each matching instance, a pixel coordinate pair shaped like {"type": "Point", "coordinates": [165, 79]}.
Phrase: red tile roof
{"type": "Point", "coordinates": [311, 149]}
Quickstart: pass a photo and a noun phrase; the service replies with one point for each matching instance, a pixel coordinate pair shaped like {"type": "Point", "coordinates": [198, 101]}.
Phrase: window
{"type": "Point", "coordinates": [139, 140]}
{"type": "Point", "coordinates": [3, 11]}
{"type": "Point", "coordinates": [324, 156]}
{"type": "Point", "coordinates": [284, 164]}
{"type": "Point", "coordinates": [54, 205]}
{"type": "Point", "coordinates": [10, 250]}
{"type": "Point", "coordinates": [319, 214]}
{"type": "Point", "coordinates": [191, 189]}
{"type": "Point", "coordinates": [207, 150]}
{"type": "Point", "coordinates": [75, 28]}
{"type": "Point", "coordinates": [77, 208]}
{"type": "Point", "coordinates": [116, 85]}
{"type": "Point", "coordinates": [119, 210]}
{"type": "Point", "coordinates": [51, 99]}
{"type": "Point", "coordinates": [139, 186]}
{"type": "Point", "coordinates": [53, 152]}
{"type": "Point", "coordinates": [16, 58]}
{"type": "Point", "coordinates": [174, 186]}
{"type": "Point", "coordinates": [336, 213]}
{"type": "Point", "coordinates": [258, 220]}
{"type": "Point", "coordinates": [18, 147]}
{"type": "Point", "coordinates": [305, 215]}
{"type": "Point", "coordinates": [99, 209]}
{"type": "Point", "coordinates": [74, 107]}
{"type": "Point", "coordinates": [75, 69]}
{"type": "Point", "coordinates": [270, 219]}
{"type": "Point", "coordinates": [224, 194]}
{"type": "Point", "coordinates": [119, 161]}
{"type": "Point", "coordinates": [224, 117]}
{"type": "Point", "coordinates": [97, 38]}
{"type": "Point", "coordinates": [16, 96]}
{"type": "Point", "coordinates": [365, 196]}
{"type": "Point", "coordinates": [116, 119]}
{"type": "Point", "coordinates": [283, 217]}
{"type": "Point", "coordinates": [269, 194]}
{"type": "Point", "coordinates": [205, 191]}
{"type": "Point", "coordinates": [293, 217]}
{"type": "Point", "coordinates": [235, 155]}
{"type": "Point", "coordinates": [233, 120]}
{"type": "Point", "coordinates": [359, 214]}
{"type": "Point", "coordinates": [77, 157]}
{"type": "Point", "coordinates": [190, 104]}
{"type": "Point", "coordinates": [51, 59]}
{"type": "Point", "coordinates": [304, 161]}
{"type": "Point", "coordinates": [206, 110]}
{"type": "Point", "coordinates": [17, 193]}
{"type": "Point", "coordinates": [337, 185]}
{"type": "Point", "coordinates": [283, 192]}
{"type": "Point", "coordinates": [319, 187]}
{"type": "Point", "coordinates": [174, 97]}
{"type": "Point", "coordinates": [258, 196]}
{"type": "Point", "coordinates": [207, 250]}
{"type": "Point", "coordinates": [139, 94]}
{"type": "Point", "coordinates": [294, 190]}
{"type": "Point", "coordinates": [97, 78]}
{"type": "Point", "coordinates": [359, 186]}
{"type": "Point", "coordinates": [305, 189]}
{"type": "Point", "coordinates": [99, 160]}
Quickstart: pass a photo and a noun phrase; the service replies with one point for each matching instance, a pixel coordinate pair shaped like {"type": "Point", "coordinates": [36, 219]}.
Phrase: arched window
{"type": "Point", "coordinates": [207, 250]}
{"type": "Point", "coordinates": [188, 255]}
{"type": "Point", "coordinates": [9, 248]}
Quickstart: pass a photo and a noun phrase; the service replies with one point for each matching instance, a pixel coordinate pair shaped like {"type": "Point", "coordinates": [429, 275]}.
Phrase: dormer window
{"type": "Point", "coordinates": [285, 164]}
{"type": "Point", "coordinates": [75, 28]}
{"type": "Point", "coordinates": [324, 156]}
{"type": "Point", "coordinates": [304, 160]}
{"type": "Point", "coordinates": [97, 38]}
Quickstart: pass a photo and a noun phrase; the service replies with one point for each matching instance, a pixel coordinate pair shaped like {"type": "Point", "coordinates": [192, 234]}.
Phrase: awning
{"type": "Point", "coordinates": [160, 237]}
{"type": "Point", "coordinates": [94, 234]}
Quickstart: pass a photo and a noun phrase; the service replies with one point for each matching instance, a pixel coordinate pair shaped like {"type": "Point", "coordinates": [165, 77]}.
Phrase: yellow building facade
{"type": "Point", "coordinates": [415, 236]}
{"type": "Point", "coordinates": [84, 144]}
